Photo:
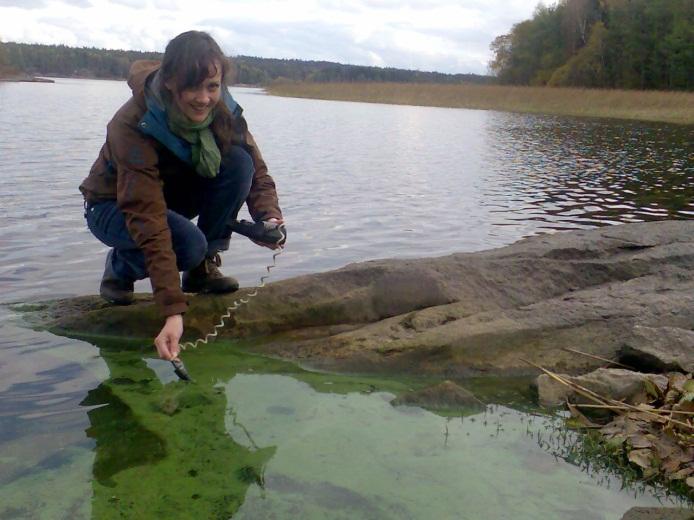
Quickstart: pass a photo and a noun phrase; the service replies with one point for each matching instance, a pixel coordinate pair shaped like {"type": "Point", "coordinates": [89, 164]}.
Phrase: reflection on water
{"type": "Point", "coordinates": [107, 432]}
{"type": "Point", "coordinates": [564, 174]}
{"type": "Point", "coordinates": [256, 438]}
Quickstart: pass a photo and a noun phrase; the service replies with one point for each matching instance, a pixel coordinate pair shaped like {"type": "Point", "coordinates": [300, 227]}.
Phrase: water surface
{"type": "Point", "coordinates": [102, 430]}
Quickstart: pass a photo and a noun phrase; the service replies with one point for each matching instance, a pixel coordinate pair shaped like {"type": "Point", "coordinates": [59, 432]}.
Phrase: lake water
{"type": "Point", "coordinates": [101, 431]}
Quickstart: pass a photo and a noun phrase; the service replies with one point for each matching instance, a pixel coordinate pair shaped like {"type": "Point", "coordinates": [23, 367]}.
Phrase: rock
{"type": "Point", "coordinates": [660, 349]}
{"type": "Point", "coordinates": [658, 513]}
{"type": "Point", "coordinates": [444, 396]}
{"type": "Point", "coordinates": [454, 316]}
{"type": "Point", "coordinates": [612, 383]}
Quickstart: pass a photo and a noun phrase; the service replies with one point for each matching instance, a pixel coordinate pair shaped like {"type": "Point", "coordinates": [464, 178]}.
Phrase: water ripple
{"type": "Point", "coordinates": [359, 181]}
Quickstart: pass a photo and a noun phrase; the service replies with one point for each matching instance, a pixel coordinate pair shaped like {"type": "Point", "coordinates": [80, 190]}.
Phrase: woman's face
{"type": "Point", "coordinates": [197, 102]}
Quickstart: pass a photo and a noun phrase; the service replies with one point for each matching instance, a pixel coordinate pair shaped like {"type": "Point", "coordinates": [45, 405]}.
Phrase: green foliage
{"type": "Point", "coordinates": [59, 60]}
{"type": "Point", "coordinates": [587, 68]}
{"type": "Point", "coordinates": [253, 70]}
{"type": "Point", "coordinates": [4, 59]}
{"type": "Point", "coordinates": [634, 44]}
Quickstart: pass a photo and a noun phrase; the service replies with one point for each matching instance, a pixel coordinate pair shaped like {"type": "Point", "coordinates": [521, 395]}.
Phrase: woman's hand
{"type": "Point", "coordinates": [167, 340]}
{"type": "Point", "coordinates": [276, 221]}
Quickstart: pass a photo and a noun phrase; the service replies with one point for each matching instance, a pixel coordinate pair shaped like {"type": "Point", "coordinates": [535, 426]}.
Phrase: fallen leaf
{"type": "Point", "coordinates": [681, 474]}
{"type": "Point", "coordinates": [677, 381]}
{"type": "Point", "coordinates": [642, 458]}
{"type": "Point", "coordinates": [671, 465]}
{"type": "Point", "coordinates": [615, 441]}
{"type": "Point", "coordinates": [643, 417]}
{"type": "Point", "coordinates": [639, 441]}
{"type": "Point", "coordinates": [665, 447]}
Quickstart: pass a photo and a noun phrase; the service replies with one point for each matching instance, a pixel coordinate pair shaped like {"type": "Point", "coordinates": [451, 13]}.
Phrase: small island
{"type": "Point", "coordinates": [13, 75]}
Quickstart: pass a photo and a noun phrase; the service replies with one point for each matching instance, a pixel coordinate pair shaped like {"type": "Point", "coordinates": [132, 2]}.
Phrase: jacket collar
{"type": "Point", "coordinates": [144, 81]}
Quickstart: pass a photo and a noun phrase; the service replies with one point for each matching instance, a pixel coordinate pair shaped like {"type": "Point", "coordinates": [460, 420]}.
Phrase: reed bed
{"type": "Point", "coordinates": [663, 106]}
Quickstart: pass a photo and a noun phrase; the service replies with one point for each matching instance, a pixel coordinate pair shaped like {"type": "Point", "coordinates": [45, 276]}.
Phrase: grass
{"type": "Point", "coordinates": [661, 106]}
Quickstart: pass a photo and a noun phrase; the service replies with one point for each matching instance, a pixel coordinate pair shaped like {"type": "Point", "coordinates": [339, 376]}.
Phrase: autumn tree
{"type": "Point", "coordinates": [644, 44]}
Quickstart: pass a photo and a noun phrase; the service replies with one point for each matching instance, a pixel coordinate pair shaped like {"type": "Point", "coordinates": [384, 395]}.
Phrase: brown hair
{"type": "Point", "coordinates": [187, 61]}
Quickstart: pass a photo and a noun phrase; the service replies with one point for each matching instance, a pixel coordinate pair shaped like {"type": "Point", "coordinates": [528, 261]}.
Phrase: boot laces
{"type": "Point", "coordinates": [212, 264]}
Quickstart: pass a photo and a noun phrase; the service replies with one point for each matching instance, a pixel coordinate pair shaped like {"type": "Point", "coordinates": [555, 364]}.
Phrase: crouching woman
{"type": "Point", "coordinates": [177, 149]}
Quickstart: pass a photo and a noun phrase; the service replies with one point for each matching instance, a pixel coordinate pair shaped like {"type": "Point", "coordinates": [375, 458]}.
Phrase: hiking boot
{"type": "Point", "coordinates": [207, 278]}
{"type": "Point", "coordinates": [113, 289]}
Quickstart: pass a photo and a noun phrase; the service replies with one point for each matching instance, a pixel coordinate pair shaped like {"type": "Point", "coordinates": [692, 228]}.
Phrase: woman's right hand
{"type": "Point", "coordinates": [277, 222]}
{"type": "Point", "coordinates": [169, 336]}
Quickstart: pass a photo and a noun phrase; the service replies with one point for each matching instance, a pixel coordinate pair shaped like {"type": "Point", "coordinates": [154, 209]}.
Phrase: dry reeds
{"type": "Point", "coordinates": [664, 106]}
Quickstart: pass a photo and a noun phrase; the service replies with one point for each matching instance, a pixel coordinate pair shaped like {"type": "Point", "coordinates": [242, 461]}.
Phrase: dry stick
{"type": "Point", "coordinates": [601, 400]}
{"type": "Point", "coordinates": [597, 357]}
{"type": "Point", "coordinates": [614, 407]}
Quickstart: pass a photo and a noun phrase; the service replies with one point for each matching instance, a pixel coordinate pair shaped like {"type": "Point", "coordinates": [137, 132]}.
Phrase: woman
{"type": "Point", "coordinates": [177, 149]}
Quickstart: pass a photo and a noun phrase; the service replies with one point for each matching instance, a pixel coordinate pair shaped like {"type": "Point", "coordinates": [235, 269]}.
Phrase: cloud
{"type": "Point", "coordinates": [37, 4]}
{"type": "Point", "coordinates": [444, 35]}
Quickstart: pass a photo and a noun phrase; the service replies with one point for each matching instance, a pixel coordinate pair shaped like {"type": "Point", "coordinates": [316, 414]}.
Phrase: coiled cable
{"type": "Point", "coordinates": [233, 307]}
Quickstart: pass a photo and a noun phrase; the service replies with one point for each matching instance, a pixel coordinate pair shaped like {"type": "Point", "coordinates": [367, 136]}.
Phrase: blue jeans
{"type": "Point", "coordinates": [216, 202]}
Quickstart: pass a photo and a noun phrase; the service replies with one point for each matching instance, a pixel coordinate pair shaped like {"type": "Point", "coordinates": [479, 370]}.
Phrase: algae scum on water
{"type": "Point", "coordinates": [259, 438]}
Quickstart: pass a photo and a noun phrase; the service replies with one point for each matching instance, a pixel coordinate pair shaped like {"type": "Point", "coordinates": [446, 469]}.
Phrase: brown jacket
{"type": "Point", "coordinates": [132, 169]}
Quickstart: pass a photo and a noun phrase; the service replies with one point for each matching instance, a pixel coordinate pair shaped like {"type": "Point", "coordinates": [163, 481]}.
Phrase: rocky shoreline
{"type": "Point", "coordinates": [619, 292]}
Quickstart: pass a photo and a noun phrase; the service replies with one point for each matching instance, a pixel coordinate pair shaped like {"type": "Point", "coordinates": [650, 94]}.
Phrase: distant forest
{"type": "Point", "coordinates": [63, 61]}
{"type": "Point", "coordinates": [632, 44]}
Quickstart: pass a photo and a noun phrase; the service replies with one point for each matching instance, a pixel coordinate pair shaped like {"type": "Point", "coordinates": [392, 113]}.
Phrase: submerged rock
{"type": "Point", "coordinates": [458, 315]}
{"type": "Point", "coordinates": [444, 396]}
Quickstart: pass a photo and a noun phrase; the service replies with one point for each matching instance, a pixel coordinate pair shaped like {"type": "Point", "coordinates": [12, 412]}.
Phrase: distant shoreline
{"type": "Point", "coordinates": [47, 78]}
{"type": "Point", "coordinates": [23, 78]}
{"type": "Point", "coordinates": [654, 106]}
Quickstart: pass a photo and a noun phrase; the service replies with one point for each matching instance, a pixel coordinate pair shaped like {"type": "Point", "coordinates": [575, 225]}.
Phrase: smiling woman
{"type": "Point", "coordinates": [178, 149]}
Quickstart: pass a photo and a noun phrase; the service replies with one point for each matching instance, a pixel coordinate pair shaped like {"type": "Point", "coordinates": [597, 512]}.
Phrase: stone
{"type": "Point", "coordinates": [444, 396]}
{"type": "Point", "coordinates": [612, 383]}
{"type": "Point", "coordinates": [660, 348]}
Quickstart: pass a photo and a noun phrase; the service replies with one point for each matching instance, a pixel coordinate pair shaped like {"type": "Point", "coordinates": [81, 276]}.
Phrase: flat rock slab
{"type": "Point", "coordinates": [598, 291]}
{"type": "Point", "coordinates": [665, 348]}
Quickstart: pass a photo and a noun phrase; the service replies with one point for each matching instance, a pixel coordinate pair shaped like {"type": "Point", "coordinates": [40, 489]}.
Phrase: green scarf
{"type": "Point", "coordinates": [204, 150]}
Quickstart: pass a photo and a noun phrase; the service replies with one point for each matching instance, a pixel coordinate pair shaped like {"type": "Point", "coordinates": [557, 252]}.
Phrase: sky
{"type": "Point", "coordinates": [442, 35]}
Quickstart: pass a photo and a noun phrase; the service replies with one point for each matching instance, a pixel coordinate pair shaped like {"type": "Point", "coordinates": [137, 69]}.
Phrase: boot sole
{"type": "Point", "coordinates": [118, 301]}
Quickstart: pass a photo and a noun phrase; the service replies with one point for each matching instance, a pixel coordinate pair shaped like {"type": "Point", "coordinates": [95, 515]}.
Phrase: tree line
{"type": "Point", "coordinates": [63, 61]}
{"type": "Point", "coordinates": [632, 44]}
